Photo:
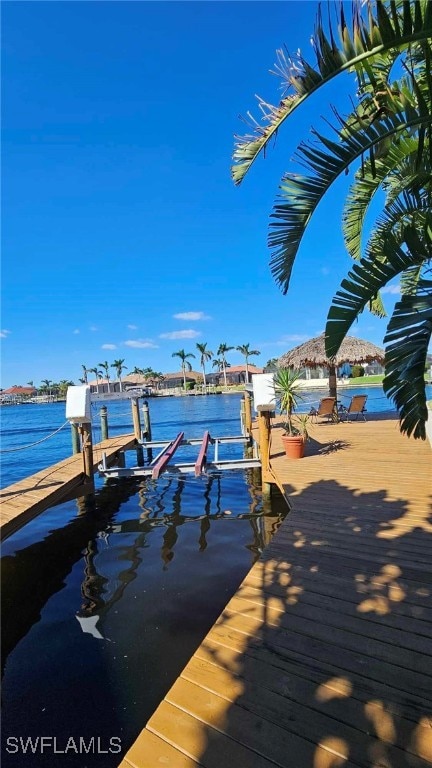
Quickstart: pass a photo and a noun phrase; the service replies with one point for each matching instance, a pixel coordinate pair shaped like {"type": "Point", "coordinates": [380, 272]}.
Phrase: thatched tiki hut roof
{"type": "Point", "coordinates": [312, 354]}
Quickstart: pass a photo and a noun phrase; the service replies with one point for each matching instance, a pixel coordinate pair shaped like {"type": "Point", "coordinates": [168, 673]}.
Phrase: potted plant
{"type": "Point", "coordinates": [287, 393]}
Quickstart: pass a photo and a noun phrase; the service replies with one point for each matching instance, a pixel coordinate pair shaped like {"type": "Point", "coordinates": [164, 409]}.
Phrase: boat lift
{"type": "Point", "coordinates": [161, 463]}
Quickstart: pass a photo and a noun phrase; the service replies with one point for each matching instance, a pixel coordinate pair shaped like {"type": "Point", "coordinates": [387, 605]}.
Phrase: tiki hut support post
{"type": "Point", "coordinates": [332, 381]}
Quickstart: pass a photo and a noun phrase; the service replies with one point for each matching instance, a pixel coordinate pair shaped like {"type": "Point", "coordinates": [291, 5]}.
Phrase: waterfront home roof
{"type": "Point", "coordinates": [242, 369]}
{"type": "Point", "coordinates": [19, 391]}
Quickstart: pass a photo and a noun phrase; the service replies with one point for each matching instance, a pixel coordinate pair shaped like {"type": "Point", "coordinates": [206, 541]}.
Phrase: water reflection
{"type": "Point", "coordinates": [162, 509]}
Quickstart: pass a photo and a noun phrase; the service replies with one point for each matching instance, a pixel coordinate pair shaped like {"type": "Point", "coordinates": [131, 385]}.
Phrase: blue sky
{"type": "Point", "coordinates": [123, 235]}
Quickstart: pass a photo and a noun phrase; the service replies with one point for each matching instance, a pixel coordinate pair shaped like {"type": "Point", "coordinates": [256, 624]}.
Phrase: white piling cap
{"type": "Point", "coordinates": [78, 410]}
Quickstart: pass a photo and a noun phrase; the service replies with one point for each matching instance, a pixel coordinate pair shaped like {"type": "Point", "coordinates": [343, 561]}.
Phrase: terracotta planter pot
{"type": "Point", "coordinates": [294, 446]}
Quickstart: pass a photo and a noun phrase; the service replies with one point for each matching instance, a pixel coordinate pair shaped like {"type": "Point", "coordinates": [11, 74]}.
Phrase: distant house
{"type": "Point", "coordinates": [17, 394]}
{"type": "Point", "coordinates": [21, 391]}
{"type": "Point", "coordinates": [173, 380]}
{"type": "Point", "coordinates": [235, 374]}
{"type": "Point", "coordinates": [136, 380]}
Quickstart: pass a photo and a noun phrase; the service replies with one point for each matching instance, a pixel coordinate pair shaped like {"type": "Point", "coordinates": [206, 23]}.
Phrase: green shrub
{"type": "Point", "coordinates": [357, 371]}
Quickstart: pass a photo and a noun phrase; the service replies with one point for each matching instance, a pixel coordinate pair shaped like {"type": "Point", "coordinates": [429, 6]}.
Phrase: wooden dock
{"type": "Point", "coordinates": [323, 657]}
{"type": "Point", "coordinates": [23, 501]}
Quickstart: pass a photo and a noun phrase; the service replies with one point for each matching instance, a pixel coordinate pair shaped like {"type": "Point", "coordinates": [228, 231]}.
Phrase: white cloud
{"type": "Point", "coordinates": [109, 346]}
{"type": "Point", "coordinates": [132, 327]}
{"type": "Point", "coordinates": [77, 330]}
{"type": "Point", "coordinates": [290, 338]}
{"type": "Point", "coordinates": [391, 289]}
{"type": "Point", "coordinates": [191, 316]}
{"type": "Point", "coordinates": [93, 328]}
{"type": "Point", "coordinates": [140, 344]}
{"type": "Point", "coordinates": [180, 335]}
{"type": "Point", "coordinates": [4, 333]}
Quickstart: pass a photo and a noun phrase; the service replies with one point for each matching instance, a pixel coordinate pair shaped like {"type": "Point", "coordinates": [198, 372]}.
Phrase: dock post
{"type": "Point", "coordinates": [104, 422]}
{"type": "Point", "coordinates": [265, 412]}
{"type": "Point", "coordinates": [87, 448]}
{"type": "Point", "coordinates": [242, 416]}
{"type": "Point", "coordinates": [137, 430]}
{"type": "Point", "coordinates": [147, 428]}
{"type": "Point", "coordinates": [76, 443]}
{"type": "Point", "coordinates": [248, 413]}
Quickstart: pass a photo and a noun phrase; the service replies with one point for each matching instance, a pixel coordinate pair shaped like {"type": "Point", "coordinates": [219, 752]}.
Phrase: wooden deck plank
{"type": "Point", "coordinates": [325, 651]}
{"type": "Point", "coordinates": [334, 600]}
{"type": "Point", "coordinates": [271, 702]}
{"type": "Point", "coordinates": [23, 501]}
{"type": "Point", "coordinates": [220, 646]}
{"type": "Point", "coordinates": [228, 671]}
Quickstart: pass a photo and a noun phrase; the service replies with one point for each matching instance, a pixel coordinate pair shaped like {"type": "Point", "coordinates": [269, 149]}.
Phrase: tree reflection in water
{"type": "Point", "coordinates": [101, 593]}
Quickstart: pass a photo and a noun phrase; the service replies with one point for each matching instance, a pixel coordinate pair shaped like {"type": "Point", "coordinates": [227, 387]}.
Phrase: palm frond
{"type": "Point", "coordinates": [407, 208]}
{"type": "Point", "coordinates": [366, 185]}
{"type": "Point", "coordinates": [408, 336]}
{"type": "Point", "coordinates": [300, 195]}
{"type": "Point", "coordinates": [367, 39]}
{"type": "Point", "coordinates": [364, 281]}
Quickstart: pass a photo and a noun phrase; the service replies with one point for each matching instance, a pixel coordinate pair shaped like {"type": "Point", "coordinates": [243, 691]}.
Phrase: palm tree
{"type": "Point", "coordinates": [119, 367]}
{"type": "Point", "coordinates": [185, 364]}
{"type": "Point", "coordinates": [98, 375]}
{"type": "Point", "coordinates": [388, 133]}
{"type": "Point", "coordinates": [63, 386]}
{"type": "Point", "coordinates": [244, 350]}
{"type": "Point", "coordinates": [106, 367]}
{"type": "Point", "coordinates": [222, 350]}
{"type": "Point", "coordinates": [30, 384]}
{"type": "Point", "coordinates": [206, 355]}
{"type": "Point", "coordinates": [157, 377]}
{"type": "Point", "coordinates": [85, 371]}
{"type": "Point", "coordinates": [46, 385]}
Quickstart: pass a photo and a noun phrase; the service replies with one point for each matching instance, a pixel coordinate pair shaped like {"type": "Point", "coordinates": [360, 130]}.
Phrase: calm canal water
{"type": "Point", "coordinates": [103, 603]}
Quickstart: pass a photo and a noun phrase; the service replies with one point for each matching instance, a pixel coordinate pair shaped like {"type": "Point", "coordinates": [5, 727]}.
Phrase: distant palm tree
{"type": "Point", "coordinates": [222, 350]}
{"type": "Point", "coordinates": [244, 349]}
{"type": "Point", "coordinates": [85, 371]}
{"type": "Point", "coordinates": [158, 377]}
{"type": "Point", "coordinates": [54, 388]}
{"type": "Point", "coordinates": [63, 386]}
{"type": "Point", "coordinates": [272, 363]}
{"type": "Point", "coordinates": [46, 385]}
{"type": "Point", "coordinates": [205, 356]}
{"type": "Point", "coordinates": [119, 367]}
{"type": "Point", "coordinates": [185, 364]}
{"type": "Point", "coordinates": [106, 367]}
{"type": "Point", "coordinates": [98, 375]}
{"type": "Point", "coordinates": [30, 384]}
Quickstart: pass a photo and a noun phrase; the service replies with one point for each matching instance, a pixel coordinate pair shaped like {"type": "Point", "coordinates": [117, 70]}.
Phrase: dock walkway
{"type": "Point", "coordinates": [323, 656]}
{"type": "Point", "coordinates": [23, 501]}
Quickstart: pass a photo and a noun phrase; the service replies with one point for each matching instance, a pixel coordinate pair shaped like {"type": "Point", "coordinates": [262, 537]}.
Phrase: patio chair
{"type": "Point", "coordinates": [326, 407]}
{"type": "Point", "coordinates": [357, 408]}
